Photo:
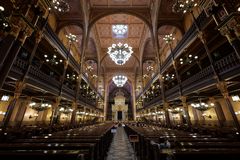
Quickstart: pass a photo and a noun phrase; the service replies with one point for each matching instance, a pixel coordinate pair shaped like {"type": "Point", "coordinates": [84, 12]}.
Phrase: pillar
{"type": "Point", "coordinates": [219, 112]}
{"type": "Point", "coordinates": [222, 86]}
{"type": "Point", "coordinates": [231, 30]}
{"type": "Point", "coordinates": [73, 117]}
{"type": "Point", "coordinates": [234, 42]}
{"type": "Point", "coordinates": [134, 101]}
{"type": "Point", "coordinates": [55, 111]}
{"type": "Point", "coordinates": [17, 93]}
{"type": "Point", "coordinates": [21, 111]}
{"type": "Point", "coordinates": [185, 108]}
{"type": "Point", "coordinates": [15, 48]}
{"type": "Point", "coordinates": [195, 115]}
{"type": "Point", "coordinates": [167, 117]}
{"type": "Point", "coordinates": [105, 102]}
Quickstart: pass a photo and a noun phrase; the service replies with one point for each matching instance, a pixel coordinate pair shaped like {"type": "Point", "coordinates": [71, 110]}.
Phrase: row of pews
{"type": "Point", "coordinates": [89, 142]}
{"type": "Point", "coordinates": [183, 145]}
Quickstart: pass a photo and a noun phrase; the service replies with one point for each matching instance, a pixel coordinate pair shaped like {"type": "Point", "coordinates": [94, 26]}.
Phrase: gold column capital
{"type": "Point", "coordinates": [39, 36]}
{"type": "Point", "coordinates": [202, 37]}
{"type": "Point", "coordinates": [183, 99]}
{"type": "Point", "coordinates": [222, 86]}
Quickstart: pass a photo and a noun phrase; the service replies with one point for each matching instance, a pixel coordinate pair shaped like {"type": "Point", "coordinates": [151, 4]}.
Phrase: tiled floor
{"type": "Point", "coordinates": [120, 148]}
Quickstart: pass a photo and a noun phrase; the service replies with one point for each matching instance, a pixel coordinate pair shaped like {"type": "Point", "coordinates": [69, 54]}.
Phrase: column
{"type": "Point", "coordinates": [10, 39]}
{"type": "Point", "coordinates": [44, 116]}
{"type": "Point", "coordinates": [185, 108]}
{"type": "Point", "coordinates": [232, 39]}
{"type": "Point", "coordinates": [195, 115]}
{"type": "Point", "coordinates": [134, 101]}
{"type": "Point", "coordinates": [222, 86]}
{"type": "Point", "coordinates": [21, 111]}
{"type": "Point", "coordinates": [9, 60]}
{"type": "Point", "coordinates": [73, 117]}
{"type": "Point", "coordinates": [55, 111]}
{"type": "Point", "coordinates": [220, 113]}
{"type": "Point", "coordinates": [167, 117]}
{"type": "Point", "coordinates": [105, 101]}
{"type": "Point", "coordinates": [17, 93]}
{"type": "Point", "coordinates": [63, 76]}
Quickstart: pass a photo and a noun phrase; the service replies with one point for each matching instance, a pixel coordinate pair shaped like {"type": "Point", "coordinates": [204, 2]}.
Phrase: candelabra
{"type": "Point", "coordinates": [40, 106]}
{"type": "Point", "coordinates": [4, 24]}
{"type": "Point", "coordinates": [184, 5]}
{"type": "Point", "coordinates": [119, 80]}
{"type": "Point", "coordinates": [120, 53]}
{"type": "Point", "coordinates": [60, 5]}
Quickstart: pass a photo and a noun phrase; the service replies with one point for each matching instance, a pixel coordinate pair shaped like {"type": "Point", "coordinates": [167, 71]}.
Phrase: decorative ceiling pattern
{"type": "Point", "coordinates": [134, 35]}
{"type": "Point", "coordinates": [119, 3]}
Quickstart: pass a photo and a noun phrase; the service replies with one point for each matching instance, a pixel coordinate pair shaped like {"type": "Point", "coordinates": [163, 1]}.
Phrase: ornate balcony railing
{"type": "Point", "coordinates": [68, 92]}
{"type": "Point", "coordinates": [55, 41]}
{"type": "Point", "coordinates": [202, 20]}
{"type": "Point", "coordinates": [173, 92]}
{"type": "Point", "coordinates": [204, 74]}
{"type": "Point", "coordinates": [225, 67]}
{"type": "Point", "coordinates": [43, 77]}
{"type": "Point", "coordinates": [226, 64]}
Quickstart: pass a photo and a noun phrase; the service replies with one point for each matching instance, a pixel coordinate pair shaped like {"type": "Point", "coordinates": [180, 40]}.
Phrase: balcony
{"type": "Point", "coordinates": [227, 68]}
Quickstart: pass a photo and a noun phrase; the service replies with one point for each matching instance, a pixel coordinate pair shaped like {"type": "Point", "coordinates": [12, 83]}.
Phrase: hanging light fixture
{"type": "Point", "coordinates": [120, 53]}
{"type": "Point", "coordinates": [71, 37]}
{"type": "Point", "coordinates": [66, 110]}
{"type": "Point", "coordinates": [184, 5]}
{"type": "Point", "coordinates": [168, 38]}
{"type": "Point", "coordinates": [40, 106]}
{"type": "Point", "coordinates": [202, 106]}
{"type": "Point", "coordinates": [175, 110]}
{"type": "Point", "coordinates": [4, 23]}
{"type": "Point", "coordinates": [188, 59]}
{"type": "Point", "coordinates": [60, 5]}
{"type": "Point", "coordinates": [119, 80]}
{"type": "Point", "coordinates": [53, 60]}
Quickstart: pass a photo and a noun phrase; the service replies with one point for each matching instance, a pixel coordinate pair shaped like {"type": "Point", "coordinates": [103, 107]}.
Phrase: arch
{"type": "Point", "coordinates": [76, 30]}
{"type": "Point", "coordinates": [104, 13]}
{"type": "Point", "coordinates": [174, 24]}
{"type": "Point", "coordinates": [63, 24]}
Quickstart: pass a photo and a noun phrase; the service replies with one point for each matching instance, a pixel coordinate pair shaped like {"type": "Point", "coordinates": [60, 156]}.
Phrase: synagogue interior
{"type": "Point", "coordinates": [120, 79]}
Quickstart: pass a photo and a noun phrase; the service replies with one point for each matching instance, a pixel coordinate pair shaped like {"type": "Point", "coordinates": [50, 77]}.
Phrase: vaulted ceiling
{"type": "Point", "coordinates": [99, 15]}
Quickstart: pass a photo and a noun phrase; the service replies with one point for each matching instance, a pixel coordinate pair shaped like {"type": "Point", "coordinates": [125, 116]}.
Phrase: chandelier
{"type": "Point", "coordinates": [184, 5]}
{"type": "Point", "coordinates": [119, 80]}
{"type": "Point", "coordinates": [4, 24]}
{"type": "Point", "coordinates": [60, 5]}
{"type": "Point", "coordinates": [188, 59]}
{"type": "Point", "coordinates": [201, 106]}
{"type": "Point", "coordinates": [53, 60]}
{"type": "Point", "coordinates": [71, 37]}
{"type": "Point", "coordinates": [120, 53]}
{"type": "Point", "coordinates": [40, 106]}
{"type": "Point", "coordinates": [66, 110]}
{"type": "Point", "coordinates": [175, 110]}
{"type": "Point", "coordinates": [168, 38]}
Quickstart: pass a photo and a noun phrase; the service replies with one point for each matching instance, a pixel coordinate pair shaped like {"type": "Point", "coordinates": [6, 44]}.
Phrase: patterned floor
{"type": "Point", "coordinates": [121, 149]}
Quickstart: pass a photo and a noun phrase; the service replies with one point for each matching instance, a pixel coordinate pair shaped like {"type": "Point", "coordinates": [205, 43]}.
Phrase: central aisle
{"type": "Point", "coordinates": [121, 148]}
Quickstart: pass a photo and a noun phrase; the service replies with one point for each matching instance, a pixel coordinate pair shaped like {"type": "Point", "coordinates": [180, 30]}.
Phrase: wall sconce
{"type": "Point", "coordinates": [5, 98]}
{"type": "Point", "coordinates": [2, 113]}
{"type": "Point", "coordinates": [238, 9]}
{"type": "Point", "coordinates": [235, 98]}
{"type": "Point", "coordinates": [237, 113]}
